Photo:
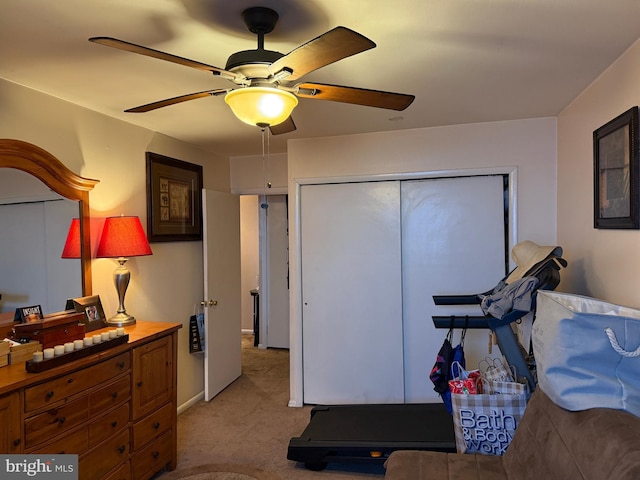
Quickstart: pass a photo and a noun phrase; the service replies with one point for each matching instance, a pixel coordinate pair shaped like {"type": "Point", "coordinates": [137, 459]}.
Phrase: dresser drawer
{"type": "Point", "coordinates": [123, 473]}
{"type": "Point", "coordinates": [153, 457]}
{"type": "Point", "coordinates": [74, 442]}
{"type": "Point", "coordinates": [110, 396]}
{"type": "Point", "coordinates": [55, 421]}
{"type": "Point", "coordinates": [109, 424]}
{"type": "Point", "coordinates": [48, 393]}
{"type": "Point", "coordinates": [146, 430]}
{"type": "Point", "coordinates": [105, 457]}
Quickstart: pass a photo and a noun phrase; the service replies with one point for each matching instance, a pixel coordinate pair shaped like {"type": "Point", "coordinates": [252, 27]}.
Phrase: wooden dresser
{"type": "Point", "coordinates": [116, 409]}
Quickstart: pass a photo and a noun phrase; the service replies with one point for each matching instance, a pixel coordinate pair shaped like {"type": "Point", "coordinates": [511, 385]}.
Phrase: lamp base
{"type": "Point", "coordinates": [121, 319]}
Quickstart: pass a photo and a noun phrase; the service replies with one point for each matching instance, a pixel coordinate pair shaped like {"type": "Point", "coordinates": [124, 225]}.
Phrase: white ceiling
{"type": "Point", "coordinates": [464, 60]}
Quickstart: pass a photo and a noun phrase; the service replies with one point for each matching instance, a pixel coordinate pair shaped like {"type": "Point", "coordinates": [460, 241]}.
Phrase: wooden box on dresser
{"type": "Point", "coordinates": [116, 409]}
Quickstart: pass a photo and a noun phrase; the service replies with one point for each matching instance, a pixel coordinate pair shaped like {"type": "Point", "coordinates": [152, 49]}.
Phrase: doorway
{"type": "Point", "coordinates": [264, 261]}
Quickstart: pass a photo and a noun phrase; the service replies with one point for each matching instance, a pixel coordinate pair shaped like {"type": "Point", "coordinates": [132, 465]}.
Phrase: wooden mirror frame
{"type": "Point", "coordinates": [52, 172]}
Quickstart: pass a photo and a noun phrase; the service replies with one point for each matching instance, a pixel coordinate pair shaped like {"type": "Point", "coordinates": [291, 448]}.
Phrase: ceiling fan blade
{"type": "Point", "coordinates": [172, 101]}
{"type": "Point", "coordinates": [284, 127]}
{"type": "Point", "coordinates": [329, 47]}
{"type": "Point", "coordinates": [358, 96]}
{"type": "Point", "coordinates": [150, 52]}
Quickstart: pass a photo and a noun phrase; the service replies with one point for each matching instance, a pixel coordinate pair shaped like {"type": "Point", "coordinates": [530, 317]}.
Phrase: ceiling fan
{"type": "Point", "coordinates": [260, 72]}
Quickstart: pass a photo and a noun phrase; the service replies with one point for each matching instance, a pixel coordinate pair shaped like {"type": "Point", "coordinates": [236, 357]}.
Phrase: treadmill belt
{"type": "Point", "coordinates": [369, 433]}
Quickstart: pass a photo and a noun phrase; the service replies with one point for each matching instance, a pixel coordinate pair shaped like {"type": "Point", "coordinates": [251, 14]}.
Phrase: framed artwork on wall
{"type": "Point", "coordinates": [174, 199]}
{"type": "Point", "coordinates": [616, 175]}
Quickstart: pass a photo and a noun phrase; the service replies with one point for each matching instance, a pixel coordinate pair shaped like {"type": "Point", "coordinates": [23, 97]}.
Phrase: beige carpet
{"type": "Point", "coordinates": [220, 472]}
{"type": "Point", "coordinates": [246, 428]}
{"type": "Point", "coordinates": [218, 476]}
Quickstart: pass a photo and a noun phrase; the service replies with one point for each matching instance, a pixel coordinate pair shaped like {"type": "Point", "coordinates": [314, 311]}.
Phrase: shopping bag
{"type": "Point", "coordinates": [486, 423]}
{"type": "Point", "coordinates": [196, 333]}
{"type": "Point", "coordinates": [507, 388]}
{"type": "Point", "coordinates": [200, 323]}
{"type": "Point", "coordinates": [495, 370]}
{"type": "Point", "coordinates": [463, 381]}
{"type": "Point", "coordinates": [194, 338]}
{"type": "Point", "coordinates": [587, 352]}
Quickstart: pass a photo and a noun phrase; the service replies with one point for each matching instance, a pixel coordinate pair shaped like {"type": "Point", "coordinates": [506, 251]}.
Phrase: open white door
{"type": "Point", "coordinates": [221, 252]}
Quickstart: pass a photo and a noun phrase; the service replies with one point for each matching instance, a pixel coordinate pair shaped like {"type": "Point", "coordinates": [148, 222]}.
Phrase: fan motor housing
{"type": "Point", "coordinates": [252, 63]}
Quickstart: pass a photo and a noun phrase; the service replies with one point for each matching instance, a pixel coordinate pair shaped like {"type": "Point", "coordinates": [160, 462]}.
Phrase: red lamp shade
{"type": "Point", "coordinates": [123, 237]}
{"type": "Point", "coordinates": [72, 245]}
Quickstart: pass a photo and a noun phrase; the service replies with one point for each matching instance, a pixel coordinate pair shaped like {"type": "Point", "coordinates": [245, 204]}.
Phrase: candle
{"type": "Point", "coordinates": [58, 350]}
{"type": "Point", "coordinates": [48, 353]}
{"type": "Point", "coordinates": [68, 347]}
{"type": "Point", "coordinates": [113, 333]}
{"type": "Point", "coordinates": [38, 356]}
{"type": "Point", "coordinates": [104, 336]}
{"type": "Point", "coordinates": [78, 344]}
{"type": "Point", "coordinates": [120, 331]}
{"type": "Point", "coordinates": [88, 341]}
{"type": "Point", "coordinates": [97, 339]}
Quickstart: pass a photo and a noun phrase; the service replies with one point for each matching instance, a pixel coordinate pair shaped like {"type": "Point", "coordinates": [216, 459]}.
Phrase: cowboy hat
{"type": "Point", "coordinates": [528, 254]}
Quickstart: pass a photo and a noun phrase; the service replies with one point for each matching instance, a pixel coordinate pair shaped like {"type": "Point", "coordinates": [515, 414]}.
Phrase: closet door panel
{"type": "Point", "coordinates": [453, 242]}
{"type": "Point", "coordinates": [351, 289]}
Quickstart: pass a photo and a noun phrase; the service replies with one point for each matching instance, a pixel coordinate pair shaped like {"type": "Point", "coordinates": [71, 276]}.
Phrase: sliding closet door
{"type": "Point", "coordinates": [351, 292]}
{"type": "Point", "coordinates": [452, 243]}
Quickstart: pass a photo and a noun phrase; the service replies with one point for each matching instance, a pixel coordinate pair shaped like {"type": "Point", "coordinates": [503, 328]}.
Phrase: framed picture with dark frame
{"type": "Point", "coordinates": [94, 317]}
{"type": "Point", "coordinates": [174, 199]}
{"type": "Point", "coordinates": [616, 173]}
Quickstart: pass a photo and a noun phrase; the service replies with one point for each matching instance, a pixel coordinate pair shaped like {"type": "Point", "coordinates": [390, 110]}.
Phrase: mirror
{"type": "Point", "coordinates": [55, 175]}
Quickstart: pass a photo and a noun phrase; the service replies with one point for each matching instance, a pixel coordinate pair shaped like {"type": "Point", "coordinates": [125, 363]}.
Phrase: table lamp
{"type": "Point", "coordinates": [122, 237]}
{"type": "Point", "coordinates": [72, 245]}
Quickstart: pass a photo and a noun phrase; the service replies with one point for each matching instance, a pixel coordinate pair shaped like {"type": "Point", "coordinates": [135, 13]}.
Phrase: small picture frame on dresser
{"type": "Point", "coordinates": [94, 317]}
{"type": "Point", "coordinates": [28, 314]}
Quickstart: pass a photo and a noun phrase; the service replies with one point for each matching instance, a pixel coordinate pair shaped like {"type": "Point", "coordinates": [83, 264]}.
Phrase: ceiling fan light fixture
{"type": "Point", "coordinates": [261, 106]}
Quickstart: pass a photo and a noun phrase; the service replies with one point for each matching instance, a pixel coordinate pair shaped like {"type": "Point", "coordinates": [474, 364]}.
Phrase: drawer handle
{"type": "Point", "coordinates": [70, 380]}
{"type": "Point", "coordinates": [49, 394]}
{"type": "Point", "coordinates": [121, 365]}
{"type": "Point", "coordinates": [139, 383]}
{"type": "Point", "coordinates": [16, 442]}
{"type": "Point", "coordinates": [61, 420]}
{"type": "Point", "coordinates": [156, 425]}
{"type": "Point", "coordinates": [114, 395]}
{"type": "Point", "coordinates": [122, 448]}
{"type": "Point", "coordinates": [156, 454]}
{"type": "Point", "coordinates": [114, 424]}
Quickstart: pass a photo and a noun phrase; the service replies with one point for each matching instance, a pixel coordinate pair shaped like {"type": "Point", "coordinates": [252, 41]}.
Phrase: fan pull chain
{"type": "Point", "coordinates": [269, 159]}
{"type": "Point", "coordinates": [265, 170]}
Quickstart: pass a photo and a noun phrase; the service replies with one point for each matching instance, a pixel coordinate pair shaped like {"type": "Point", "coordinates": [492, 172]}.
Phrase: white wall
{"type": "Point", "coordinates": [165, 286]}
{"type": "Point", "coordinates": [529, 145]}
{"type": "Point", "coordinates": [251, 174]}
{"type": "Point", "coordinates": [603, 263]}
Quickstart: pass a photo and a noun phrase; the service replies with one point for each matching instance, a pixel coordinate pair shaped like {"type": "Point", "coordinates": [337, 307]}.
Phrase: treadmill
{"type": "Point", "coordinates": [370, 433]}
